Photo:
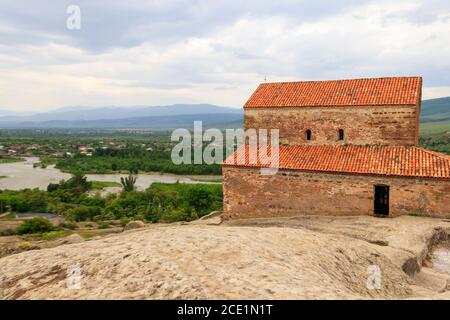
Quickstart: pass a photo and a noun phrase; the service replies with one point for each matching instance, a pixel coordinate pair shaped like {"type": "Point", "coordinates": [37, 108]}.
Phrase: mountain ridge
{"type": "Point", "coordinates": [435, 110]}
{"type": "Point", "coordinates": [164, 117]}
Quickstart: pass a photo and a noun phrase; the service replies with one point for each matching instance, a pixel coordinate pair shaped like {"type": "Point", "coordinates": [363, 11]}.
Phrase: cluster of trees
{"type": "Point", "coordinates": [132, 159]}
{"type": "Point", "coordinates": [439, 141]}
{"type": "Point", "coordinates": [23, 201]}
{"type": "Point", "coordinates": [159, 203]}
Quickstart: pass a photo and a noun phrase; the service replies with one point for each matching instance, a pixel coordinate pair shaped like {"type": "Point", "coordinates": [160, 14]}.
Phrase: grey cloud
{"type": "Point", "coordinates": [197, 47]}
{"type": "Point", "coordinates": [115, 23]}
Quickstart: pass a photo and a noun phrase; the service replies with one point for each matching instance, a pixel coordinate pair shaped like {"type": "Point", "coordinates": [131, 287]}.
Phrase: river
{"type": "Point", "coordinates": [21, 175]}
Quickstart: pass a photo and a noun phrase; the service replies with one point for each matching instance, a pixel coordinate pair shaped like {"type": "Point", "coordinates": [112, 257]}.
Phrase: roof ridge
{"type": "Point", "coordinates": [347, 79]}
{"type": "Point", "coordinates": [338, 93]}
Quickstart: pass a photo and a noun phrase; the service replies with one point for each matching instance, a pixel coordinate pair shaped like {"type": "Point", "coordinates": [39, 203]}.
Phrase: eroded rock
{"type": "Point", "coordinates": [134, 225]}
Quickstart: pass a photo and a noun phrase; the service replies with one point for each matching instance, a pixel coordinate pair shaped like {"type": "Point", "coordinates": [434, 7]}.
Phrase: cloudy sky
{"type": "Point", "coordinates": [159, 52]}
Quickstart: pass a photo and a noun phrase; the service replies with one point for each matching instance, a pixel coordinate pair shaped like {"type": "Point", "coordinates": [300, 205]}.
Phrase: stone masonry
{"type": "Point", "coordinates": [298, 192]}
{"type": "Point", "coordinates": [383, 125]}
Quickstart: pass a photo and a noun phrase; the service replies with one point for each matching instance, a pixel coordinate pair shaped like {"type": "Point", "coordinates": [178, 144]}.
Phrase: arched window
{"type": "Point", "coordinates": [308, 134]}
{"type": "Point", "coordinates": [341, 134]}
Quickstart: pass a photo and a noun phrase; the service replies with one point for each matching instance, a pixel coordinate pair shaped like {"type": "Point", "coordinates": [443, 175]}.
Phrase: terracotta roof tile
{"type": "Point", "coordinates": [356, 92]}
{"type": "Point", "coordinates": [408, 161]}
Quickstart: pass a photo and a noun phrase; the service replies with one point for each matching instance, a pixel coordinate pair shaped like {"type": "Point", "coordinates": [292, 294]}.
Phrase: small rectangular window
{"type": "Point", "coordinates": [341, 134]}
{"type": "Point", "coordinates": [308, 134]}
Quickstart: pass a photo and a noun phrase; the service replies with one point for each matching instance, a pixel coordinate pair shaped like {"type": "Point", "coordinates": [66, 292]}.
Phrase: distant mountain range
{"type": "Point", "coordinates": [158, 117]}
{"type": "Point", "coordinates": [164, 117]}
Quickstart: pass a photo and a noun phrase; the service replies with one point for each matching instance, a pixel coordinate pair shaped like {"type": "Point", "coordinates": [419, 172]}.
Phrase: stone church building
{"type": "Point", "coordinates": [347, 147]}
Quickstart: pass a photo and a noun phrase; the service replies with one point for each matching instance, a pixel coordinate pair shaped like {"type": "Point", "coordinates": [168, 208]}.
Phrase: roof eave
{"type": "Point", "coordinates": [342, 172]}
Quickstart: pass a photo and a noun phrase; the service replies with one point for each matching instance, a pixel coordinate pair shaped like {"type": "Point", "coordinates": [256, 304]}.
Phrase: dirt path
{"type": "Point", "coordinates": [298, 258]}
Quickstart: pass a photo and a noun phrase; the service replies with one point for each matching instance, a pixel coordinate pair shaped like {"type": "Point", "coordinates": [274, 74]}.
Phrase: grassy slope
{"type": "Point", "coordinates": [436, 110]}
{"type": "Point", "coordinates": [435, 127]}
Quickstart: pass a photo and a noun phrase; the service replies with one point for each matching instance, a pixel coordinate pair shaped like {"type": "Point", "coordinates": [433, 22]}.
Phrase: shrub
{"type": "Point", "coordinates": [52, 235]}
{"type": "Point", "coordinates": [124, 221]}
{"type": "Point", "coordinates": [83, 213]}
{"type": "Point", "coordinates": [7, 232]}
{"type": "Point", "coordinates": [104, 225]}
{"type": "Point", "coordinates": [24, 245]}
{"type": "Point", "coordinates": [60, 208]}
{"type": "Point", "coordinates": [72, 225]}
{"type": "Point", "coordinates": [177, 215]}
{"type": "Point", "coordinates": [26, 200]}
{"type": "Point", "coordinates": [35, 225]}
{"type": "Point", "coordinates": [200, 199]}
{"type": "Point", "coordinates": [52, 187]}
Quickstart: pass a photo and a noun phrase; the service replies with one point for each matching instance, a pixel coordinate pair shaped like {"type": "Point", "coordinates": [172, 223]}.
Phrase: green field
{"type": "Point", "coordinates": [98, 185]}
{"type": "Point", "coordinates": [434, 127]}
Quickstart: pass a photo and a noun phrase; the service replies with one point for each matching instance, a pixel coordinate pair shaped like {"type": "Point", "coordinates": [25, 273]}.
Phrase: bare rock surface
{"type": "Point", "coordinates": [134, 225]}
{"type": "Point", "coordinates": [279, 258]}
{"type": "Point", "coordinates": [73, 238]}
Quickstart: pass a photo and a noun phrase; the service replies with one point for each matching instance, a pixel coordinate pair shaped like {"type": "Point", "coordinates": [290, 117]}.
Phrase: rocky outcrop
{"type": "Point", "coordinates": [73, 238]}
{"type": "Point", "coordinates": [302, 258]}
{"type": "Point", "coordinates": [134, 225]}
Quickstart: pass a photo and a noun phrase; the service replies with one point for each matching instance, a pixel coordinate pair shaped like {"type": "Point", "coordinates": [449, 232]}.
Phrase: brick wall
{"type": "Point", "coordinates": [391, 125]}
{"type": "Point", "coordinates": [249, 194]}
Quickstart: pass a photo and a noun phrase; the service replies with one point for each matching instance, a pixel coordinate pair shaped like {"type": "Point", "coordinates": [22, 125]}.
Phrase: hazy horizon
{"type": "Point", "coordinates": [87, 107]}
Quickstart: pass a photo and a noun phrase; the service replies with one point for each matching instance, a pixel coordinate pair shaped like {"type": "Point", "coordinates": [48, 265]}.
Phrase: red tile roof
{"type": "Point", "coordinates": [357, 92]}
{"type": "Point", "coordinates": [373, 160]}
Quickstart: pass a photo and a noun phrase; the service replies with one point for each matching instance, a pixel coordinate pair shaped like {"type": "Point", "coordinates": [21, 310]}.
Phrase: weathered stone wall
{"type": "Point", "coordinates": [247, 193]}
{"type": "Point", "coordinates": [387, 125]}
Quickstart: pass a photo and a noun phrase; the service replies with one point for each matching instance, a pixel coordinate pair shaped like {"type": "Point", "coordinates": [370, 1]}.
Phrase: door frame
{"type": "Point", "coordinates": [381, 190]}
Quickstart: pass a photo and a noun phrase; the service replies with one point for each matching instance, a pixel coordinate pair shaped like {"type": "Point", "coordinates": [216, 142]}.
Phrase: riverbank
{"type": "Point", "coordinates": [22, 175]}
{"type": "Point", "coordinates": [9, 159]}
{"type": "Point", "coordinates": [281, 258]}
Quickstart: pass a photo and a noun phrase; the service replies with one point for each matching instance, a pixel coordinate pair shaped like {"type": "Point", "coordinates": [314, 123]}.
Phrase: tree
{"type": "Point", "coordinates": [53, 187]}
{"type": "Point", "coordinates": [134, 168]}
{"type": "Point", "coordinates": [83, 213]}
{"type": "Point", "coordinates": [128, 183]}
{"type": "Point", "coordinates": [78, 180]}
{"type": "Point", "coordinates": [200, 199]}
{"type": "Point", "coordinates": [75, 186]}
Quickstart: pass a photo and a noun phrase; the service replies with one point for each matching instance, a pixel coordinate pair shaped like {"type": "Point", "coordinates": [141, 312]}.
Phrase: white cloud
{"type": "Point", "coordinates": [223, 63]}
{"type": "Point", "coordinates": [435, 92]}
